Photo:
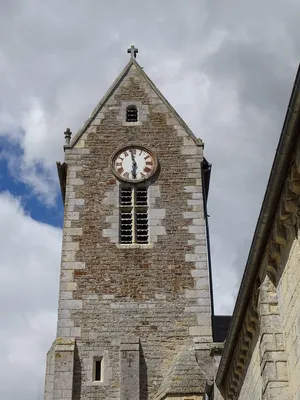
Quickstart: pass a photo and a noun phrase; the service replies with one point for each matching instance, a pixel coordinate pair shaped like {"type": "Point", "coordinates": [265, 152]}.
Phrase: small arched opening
{"type": "Point", "coordinates": [131, 113]}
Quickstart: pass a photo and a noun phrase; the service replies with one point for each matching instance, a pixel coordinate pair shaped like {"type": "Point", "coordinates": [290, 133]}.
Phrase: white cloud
{"type": "Point", "coordinates": [30, 261]}
{"type": "Point", "coordinates": [26, 155]}
{"type": "Point", "coordinates": [34, 123]}
{"type": "Point", "coordinates": [226, 67]}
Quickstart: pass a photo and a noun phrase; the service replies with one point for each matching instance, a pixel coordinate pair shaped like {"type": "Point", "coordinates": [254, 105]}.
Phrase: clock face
{"type": "Point", "coordinates": [134, 164]}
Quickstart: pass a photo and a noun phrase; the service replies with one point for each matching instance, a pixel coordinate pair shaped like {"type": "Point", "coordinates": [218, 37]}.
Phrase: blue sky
{"type": "Point", "coordinates": [9, 182]}
{"type": "Point", "coordinates": [227, 68]}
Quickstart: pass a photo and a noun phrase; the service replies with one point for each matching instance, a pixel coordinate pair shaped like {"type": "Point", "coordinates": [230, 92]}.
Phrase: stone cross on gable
{"type": "Point", "coordinates": [133, 51]}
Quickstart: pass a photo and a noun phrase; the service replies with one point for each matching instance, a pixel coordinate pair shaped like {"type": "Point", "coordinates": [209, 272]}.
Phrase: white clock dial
{"type": "Point", "coordinates": [134, 163]}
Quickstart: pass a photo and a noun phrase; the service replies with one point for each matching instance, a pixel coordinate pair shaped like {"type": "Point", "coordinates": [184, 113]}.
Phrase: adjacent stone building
{"type": "Point", "coordinates": [261, 357]}
{"type": "Point", "coordinates": [135, 311]}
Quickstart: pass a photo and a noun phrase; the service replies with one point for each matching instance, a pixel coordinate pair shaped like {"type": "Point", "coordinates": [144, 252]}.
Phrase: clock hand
{"type": "Point", "coordinates": [132, 155]}
{"type": "Point", "coordinates": [134, 168]}
{"type": "Point", "coordinates": [134, 165]}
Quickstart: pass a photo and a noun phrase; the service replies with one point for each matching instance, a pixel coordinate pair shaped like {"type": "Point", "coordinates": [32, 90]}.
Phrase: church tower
{"type": "Point", "coordinates": [134, 317]}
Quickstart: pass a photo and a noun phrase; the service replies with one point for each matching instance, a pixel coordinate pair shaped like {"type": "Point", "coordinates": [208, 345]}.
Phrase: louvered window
{"type": "Point", "coordinates": [134, 215]}
{"type": "Point", "coordinates": [131, 114]}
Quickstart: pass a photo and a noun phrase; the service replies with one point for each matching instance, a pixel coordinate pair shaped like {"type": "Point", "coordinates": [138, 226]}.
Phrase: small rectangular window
{"type": "Point", "coordinates": [98, 369]}
{"type": "Point", "coordinates": [134, 215]}
{"type": "Point", "coordinates": [131, 114]}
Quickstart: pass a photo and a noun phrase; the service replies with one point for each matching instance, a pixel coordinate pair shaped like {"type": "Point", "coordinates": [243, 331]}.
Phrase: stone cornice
{"type": "Point", "coordinates": [243, 349]}
{"type": "Point", "coordinates": [286, 221]}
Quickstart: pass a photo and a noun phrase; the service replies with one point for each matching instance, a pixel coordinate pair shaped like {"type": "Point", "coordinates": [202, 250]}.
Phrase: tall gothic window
{"type": "Point", "coordinates": [134, 215]}
{"type": "Point", "coordinates": [131, 114]}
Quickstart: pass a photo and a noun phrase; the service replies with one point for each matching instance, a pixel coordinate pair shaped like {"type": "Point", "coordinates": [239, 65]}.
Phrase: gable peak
{"type": "Point", "coordinates": [132, 50]}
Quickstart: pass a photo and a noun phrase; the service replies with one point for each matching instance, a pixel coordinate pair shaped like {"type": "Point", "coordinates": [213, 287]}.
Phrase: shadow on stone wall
{"type": "Point", "coordinates": [143, 377]}
{"type": "Point", "coordinates": [77, 376]}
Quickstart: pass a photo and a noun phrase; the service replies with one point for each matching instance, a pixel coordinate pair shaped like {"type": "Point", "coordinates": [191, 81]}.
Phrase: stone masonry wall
{"type": "Point", "coordinates": [217, 358]}
{"type": "Point", "coordinates": [266, 375]}
{"type": "Point", "coordinates": [289, 299]}
{"type": "Point", "coordinates": [252, 385]}
{"type": "Point", "coordinates": [273, 359]}
{"type": "Point", "coordinates": [159, 292]}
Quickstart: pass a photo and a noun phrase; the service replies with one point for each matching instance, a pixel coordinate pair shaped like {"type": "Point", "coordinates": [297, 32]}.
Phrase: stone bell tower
{"type": "Point", "coordinates": [134, 317]}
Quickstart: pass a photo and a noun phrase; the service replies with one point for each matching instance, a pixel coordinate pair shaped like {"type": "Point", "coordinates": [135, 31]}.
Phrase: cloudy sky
{"type": "Point", "coordinates": [226, 66]}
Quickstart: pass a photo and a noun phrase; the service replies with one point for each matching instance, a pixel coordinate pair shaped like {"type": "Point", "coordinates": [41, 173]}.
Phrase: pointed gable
{"type": "Point", "coordinates": [132, 68]}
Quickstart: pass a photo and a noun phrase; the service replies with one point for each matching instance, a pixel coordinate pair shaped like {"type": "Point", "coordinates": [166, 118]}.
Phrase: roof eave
{"type": "Point", "coordinates": [62, 176]}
